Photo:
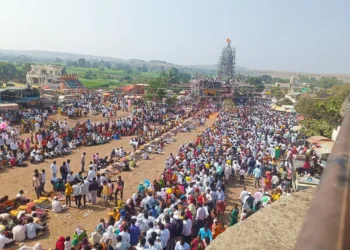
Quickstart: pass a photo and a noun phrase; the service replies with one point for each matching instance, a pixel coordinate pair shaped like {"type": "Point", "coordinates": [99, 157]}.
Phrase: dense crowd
{"type": "Point", "coordinates": [184, 208]}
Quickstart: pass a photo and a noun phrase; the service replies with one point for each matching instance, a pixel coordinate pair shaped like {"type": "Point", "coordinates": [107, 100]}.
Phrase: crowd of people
{"type": "Point", "coordinates": [184, 208]}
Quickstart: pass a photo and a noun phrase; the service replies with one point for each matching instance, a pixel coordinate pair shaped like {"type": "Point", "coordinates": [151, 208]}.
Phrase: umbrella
{"type": "Point", "coordinates": [106, 94]}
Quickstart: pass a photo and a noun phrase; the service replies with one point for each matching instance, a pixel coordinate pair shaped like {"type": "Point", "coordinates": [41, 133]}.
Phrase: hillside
{"type": "Point", "coordinates": [274, 227]}
{"type": "Point", "coordinates": [37, 56]}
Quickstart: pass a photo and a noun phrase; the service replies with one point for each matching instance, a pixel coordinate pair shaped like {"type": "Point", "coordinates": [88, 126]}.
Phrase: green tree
{"type": "Point", "coordinates": [7, 71]}
{"type": "Point", "coordinates": [129, 71]}
{"type": "Point", "coordinates": [257, 83]}
{"type": "Point", "coordinates": [277, 92]}
{"type": "Point", "coordinates": [144, 68]}
{"type": "Point", "coordinates": [317, 127]}
{"type": "Point", "coordinates": [27, 67]}
{"type": "Point", "coordinates": [156, 88]}
{"type": "Point", "coordinates": [82, 62]}
{"type": "Point", "coordinates": [95, 64]}
{"type": "Point", "coordinates": [58, 60]}
{"type": "Point", "coordinates": [173, 75]}
{"type": "Point", "coordinates": [126, 79]}
{"type": "Point", "coordinates": [280, 80]}
{"type": "Point", "coordinates": [323, 114]}
{"type": "Point", "coordinates": [328, 82]}
{"type": "Point", "coordinates": [89, 75]}
{"type": "Point", "coordinates": [266, 79]}
{"type": "Point", "coordinates": [185, 77]}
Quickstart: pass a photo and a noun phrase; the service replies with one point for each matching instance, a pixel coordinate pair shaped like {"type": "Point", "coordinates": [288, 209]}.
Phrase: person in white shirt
{"type": "Point", "coordinates": [243, 194]}
{"type": "Point", "coordinates": [19, 233]}
{"type": "Point", "coordinates": [164, 235]}
{"type": "Point", "coordinates": [241, 176]}
{"type": "Point", "coordinates": [31, 228]}
{"type": "Point", "coordinates": [57, 206]}
{"type": "Point", "coordinates": [93, 166]}
{"type": "Point", "coordinates": [42, 180]}
{"type": "Point", "coordinates": [91, 174]}
{"type": "Point", "coordinates": [187, 228]}
{"type": "Point", "coordinates": [76, 193]}
{"type": "Point", "coordinates": [4, 240]}
{"type": "Point", "coordinates": [125, 235]}
{"type": "Point", "coordinates": [121, 245]}
{"type": "Point", "coordinates": [200, 216]}
{"type": "Point", "coordinates": [84, 191]}
{"type": "Point", "coordinates": [182, 245]}
{"type": "Point", "coordinates": [38, 158]}
{"type": "Point", "coordinates": [54, 169]}
{"type": "Point", "coordinates": [67, 243]}
{"type": "Point", "coordinates": [220, 195]}
{"type": "Point", "coordinates": [70, 177]}
{"type": "Point", "coordinates": [68, 166]}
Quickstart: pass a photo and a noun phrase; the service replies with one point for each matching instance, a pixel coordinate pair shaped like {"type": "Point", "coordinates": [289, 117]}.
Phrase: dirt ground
{"type": "Point", "coordinates": [13, 180]}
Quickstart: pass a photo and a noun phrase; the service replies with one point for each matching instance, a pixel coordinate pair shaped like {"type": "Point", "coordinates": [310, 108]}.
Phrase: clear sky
{"type": "Point", "coordinates": [294, 35]}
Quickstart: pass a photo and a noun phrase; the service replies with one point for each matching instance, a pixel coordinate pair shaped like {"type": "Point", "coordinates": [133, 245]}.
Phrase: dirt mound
{"type": "Point", "coordinates": [274, 227]}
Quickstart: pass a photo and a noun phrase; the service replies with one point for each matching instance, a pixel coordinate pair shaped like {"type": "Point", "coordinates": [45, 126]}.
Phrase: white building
{"type": "Point", "coordinates": [45, 75]}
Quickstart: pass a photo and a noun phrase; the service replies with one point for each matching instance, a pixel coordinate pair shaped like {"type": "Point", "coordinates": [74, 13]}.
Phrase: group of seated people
{"type": "Point", "coordinates": [20, 219]}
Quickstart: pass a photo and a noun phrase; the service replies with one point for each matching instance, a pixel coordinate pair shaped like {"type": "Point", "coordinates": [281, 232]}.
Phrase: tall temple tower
{"type": "Point", "coordinates": [227, 62]}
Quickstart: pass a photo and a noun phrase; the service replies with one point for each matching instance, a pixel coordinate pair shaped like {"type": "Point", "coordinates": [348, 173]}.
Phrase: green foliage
{"type": "Point", "coordinates": [58, 60]}
{"type": "Point", "coordinates": [257, 82]}
{"type": "Point", "coordinates": [173, 75]}
{"type": "Point", "coordinates": [266, 79]}
{"type": "Point", "coordinates": [8, 71]}
{"type": "Point", "coordinates": [317, 127]}
{"type": "Point", "coordinates": [280, 80]}
{"type": "Point", "coordinates": [328, 82]}
{"type": "Point", "coordinates": [144, 68]}
{"type": "Point", "coordinates": [126, 79]}
{"type": "Point", "coordinates": [323, 114]}
{"type": "Point", "coordinates": [26, 67]}
{"type": "Point", "coordinates": [129, 71]}
{"type": "Point", "coordinates": [277, 92]}
{"type": "Point", "coordinates": [89, 75]}
{"type": "Point", "coordinates": [82, 62]}
{"type": "Point", "coordinates": [185, 77]}
{"type": "Point", "coordinates": [156, 88]}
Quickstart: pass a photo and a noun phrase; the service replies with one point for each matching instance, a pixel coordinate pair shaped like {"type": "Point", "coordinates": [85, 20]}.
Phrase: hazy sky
{"type": "Point", "coordinates": [298, 35]}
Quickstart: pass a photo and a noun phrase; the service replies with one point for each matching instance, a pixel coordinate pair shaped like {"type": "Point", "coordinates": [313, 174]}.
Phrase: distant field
{"type": "Point", "coordinates": [108, 77]}
{"type": "Point", "coordinates": [288, 74]}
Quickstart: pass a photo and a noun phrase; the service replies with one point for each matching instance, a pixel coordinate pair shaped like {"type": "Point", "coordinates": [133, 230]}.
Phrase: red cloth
{"type": "Point", "coordinates": [60, 243]}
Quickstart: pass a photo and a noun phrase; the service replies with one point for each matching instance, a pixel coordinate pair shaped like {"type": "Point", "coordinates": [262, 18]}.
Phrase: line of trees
{"type": "Point", "coordinates": [322, 115]}
{"type": "Point", "coordinates": [10, 71]}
